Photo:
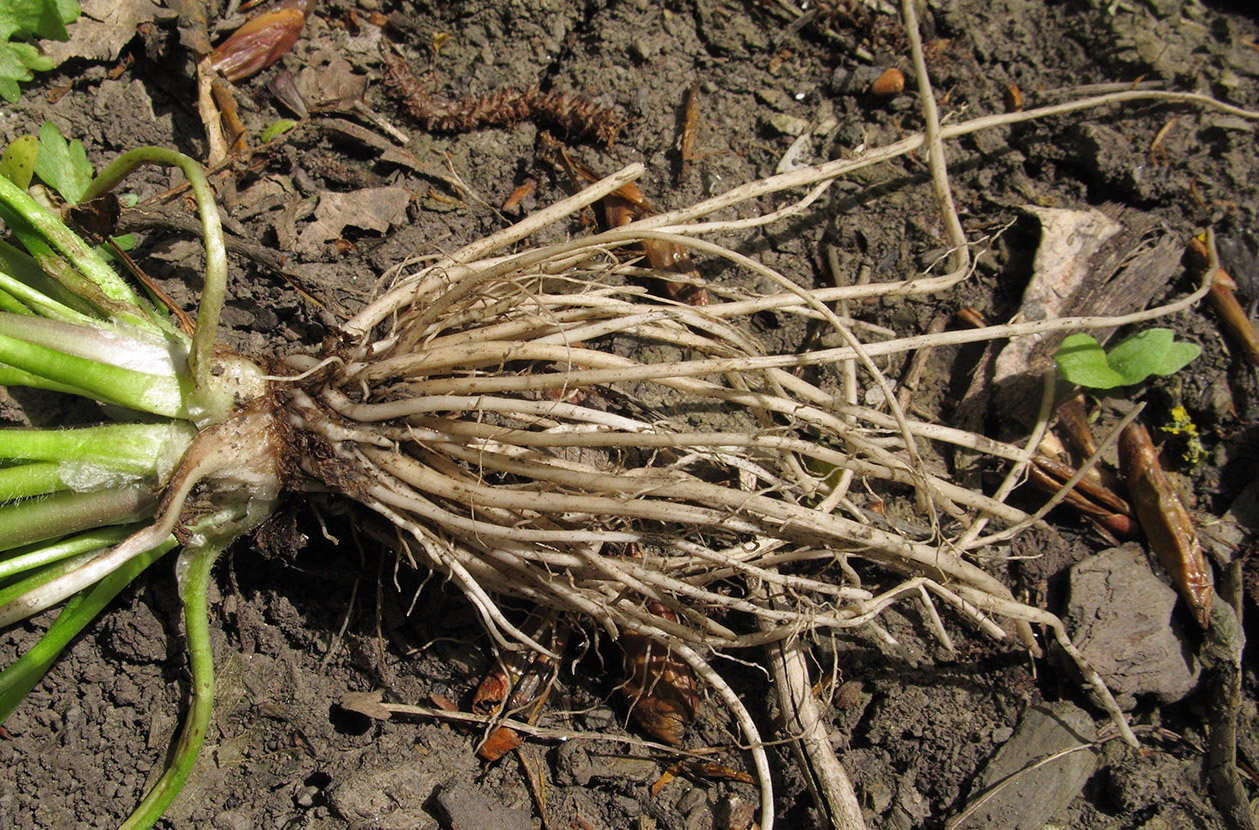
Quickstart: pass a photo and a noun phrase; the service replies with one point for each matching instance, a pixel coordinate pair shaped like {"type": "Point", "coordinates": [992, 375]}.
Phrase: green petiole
{"type": "Point", "coordinates": [42, 576]}
{"type": "Point", "coordinates": [213, 293]}
{"type": "Point", "coordinates": [194, 570]}
{"type": "Point", "coordinates": [25, 480]}
{"type": "Point", "coordinates": [60, 514]}
{"type": "Point", "coordinates": [30, 300]}
{"type": "Point", "coordinates": [51, 230]}
{"type": "Point", "coordinates": [30, 557]}
{"type": "Point", "coordinates": [159, 394]}
{"type": "Point", "coordinates": [11, 304]}
{"type": "Point", "coordinates": [9, 376]}
{"type": "Point", "coordinates": [25, 269]}
{"type": "Point", "coordinates": [137, 449]}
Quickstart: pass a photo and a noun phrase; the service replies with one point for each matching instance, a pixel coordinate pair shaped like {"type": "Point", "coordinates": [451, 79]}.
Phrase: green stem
{"type": "Point", "coordinates": [40, 555]}
{"type": "Point", "coordinates": [11, 304]}
{"type": "Point", "coordinates": [99, 340]}
{"type": "Point", "coordinates": [30, 300]}
{"type": "Point", "coordinates": [20, 677]}
{"type": "Point", "coordinates": [215, 289]}
{"type": "Point", "coordinates": [158, 394]}
{"type": "Point", "coordinates": [194, 569]}
{"type": "Point", "coordinates": [21, 481]}
{"type": "Point", "coordinates": [60, 514]}
{"type": "Point", "coordinates": [24, 268]}
{"type": "Point", "coordinates": [50, 227]}
{"type": "Point", "coordinates": [10, 376]}
{"type": "Point", "coordinates": [34, 580]}
{"type": "Point", "coordinates": [135, 449]}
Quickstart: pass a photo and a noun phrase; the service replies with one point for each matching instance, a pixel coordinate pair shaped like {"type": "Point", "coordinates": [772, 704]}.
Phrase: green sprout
{"type": "Point", "coordinates": [1082, 360]}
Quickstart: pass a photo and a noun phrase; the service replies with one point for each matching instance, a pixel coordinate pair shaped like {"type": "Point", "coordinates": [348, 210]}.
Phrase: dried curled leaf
{"type": "Point", "coordinates": [519, 683]}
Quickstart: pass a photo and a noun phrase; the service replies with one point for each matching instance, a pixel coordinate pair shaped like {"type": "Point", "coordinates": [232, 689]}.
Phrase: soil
{"type": "Point", "coordinates": [320, 611]}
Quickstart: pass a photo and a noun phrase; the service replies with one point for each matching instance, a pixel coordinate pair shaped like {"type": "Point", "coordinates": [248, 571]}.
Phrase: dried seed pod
{"type": "Point", "coordinates": [500, 742]}
{"type": "Point", "coordinates": [284, 88]}
{"type": "Point", "coordinates": [526, 188]}
{"type": "Point", "coordinates": [1090, 498]}
{"type": "Point", "coordinates": [629, 204]}
{"type": "Point", "coordinates": [520, 682]}
{"type": "Point", "coordinates": [661, 688]}
{"type": "Point", "coordinates": [1167, 524]}
{"type": "Point", "coordinates": [891, 82]}
{"type": "Point", "coordinates": [262, 41]}
{"type": "Point", "coordinates": [1013, 98]}
{"type": "Point", "coordinates": [1233, 318]}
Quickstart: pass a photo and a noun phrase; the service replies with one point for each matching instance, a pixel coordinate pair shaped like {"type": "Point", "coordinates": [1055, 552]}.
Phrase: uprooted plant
{"type": "Point", "coordinates": [521, 419]}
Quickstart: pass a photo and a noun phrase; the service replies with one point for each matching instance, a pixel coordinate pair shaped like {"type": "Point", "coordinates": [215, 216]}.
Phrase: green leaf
{"type": "Point", "coordinates": [30, 57]}
{"type": "Point", "coordinates": [1150, 352]}
{"type": "Point", "coordinates": [12, 70]}
{"type": "Point", "coordinates": [1180, 355]}
{"type": "Point", "coordinates": [1082, 361]}
{"type": "Point", "coordinates": [61, 164]}
{"type": "Point", "coordinates": [18, 164]}
{"type": "Point", "coordinates": [26, 19]}
{"type": "Point", "coordinates": [1137, 357]}
{"type": "Point", "coordinates": [276, 129]}
{"type": "Point", "coordinates": [38, 18]}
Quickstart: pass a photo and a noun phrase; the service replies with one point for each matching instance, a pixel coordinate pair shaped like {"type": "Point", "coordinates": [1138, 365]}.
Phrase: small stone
{"type": "Point", "coordinates": [1120, 615]}
{"type": "Point", "coordinates": [1028, 801]}
{"type": "Point", "coordinates": [233, 820]}
{"type": "Point", "coordinates": [788, 124]}
{"type": "Point", "coordinates": [396, 793]}
{"type": "Point", "coordinates": [692, 798]}
{"type": "Point", "coordinates": [599, 719]}
{"type": "Point", "coordinates": [576, 765]}
{"type": "Point", "coordinates": [467, 806]}
{"type": "Point", "coordinates": [854, 81]}
{"type": "Point", "coordinates": [878, 795]}
{"type": "Point", "coordinates": [642, 50]}
{"type": "Point", "coordinates": [572, 764]}
{"type": "Point", "coordinates": [623, 768]}
{"type": "Point", "coordinates": [734, 813]}
{"type": "Point", "coordinates": [305, 797]}
{"type": "Point", "coordinates": [913, 803]}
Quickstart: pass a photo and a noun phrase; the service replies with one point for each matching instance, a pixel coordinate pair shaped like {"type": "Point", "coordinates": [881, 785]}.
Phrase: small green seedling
{"type": "Point", "coordinates": [277, 129]}
{"type": "Point", "coordinates": [62, 164]}
{"type": "Point", "coordinates": [1083, 361]}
